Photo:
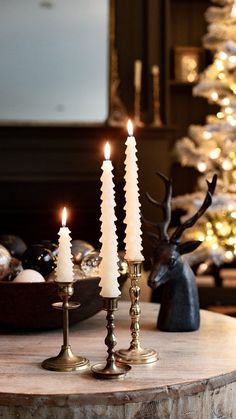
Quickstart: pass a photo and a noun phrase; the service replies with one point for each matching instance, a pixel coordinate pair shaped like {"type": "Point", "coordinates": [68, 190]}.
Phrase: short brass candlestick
{"type": "Point", "coordinates": [135, 354]}
{"type": "Point", "coordinates": [112, 368]}
{"type": "Point", "coordinates": [65, 361]}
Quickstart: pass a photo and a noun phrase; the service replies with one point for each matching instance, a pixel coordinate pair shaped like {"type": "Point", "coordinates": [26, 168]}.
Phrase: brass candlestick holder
{"type": "Point", "coordinates": [137, 107]}
{"type": "Point", "coordinates": [112, 368]}
{"type": "Point", "coordinates": [135, 354]}
{"type": "Point", "coordinates": [156, 97]}
{"type": "Point", "coordinates": [65, 361]}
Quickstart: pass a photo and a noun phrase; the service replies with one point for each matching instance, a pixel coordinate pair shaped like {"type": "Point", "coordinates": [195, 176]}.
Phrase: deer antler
{"type": "Point", "coordinates": [191, 221]}
{"type": "Point", "coordinates": [165, 205]}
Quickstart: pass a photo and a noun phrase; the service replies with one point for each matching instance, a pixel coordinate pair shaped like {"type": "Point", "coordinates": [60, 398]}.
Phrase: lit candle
{"type": "Point", "coordinates": [133, 240]}
{"type": "Point", "coordinates": [109, 263]}
{"type": "Point", "coordinates": [64, 268]}
{"type": "Point", "coordinates": [137, 74]}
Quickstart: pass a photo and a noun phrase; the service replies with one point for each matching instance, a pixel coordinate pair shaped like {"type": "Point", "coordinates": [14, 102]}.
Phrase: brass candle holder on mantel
{"type": "Point", "coordinates": [65, 361]}
{"type": "Point", "coordinates": [135, 354]}
{"type": "Point", "coordinates": [137, 107]}
{"type": "Point", "coordinates": [111, 369]}
{"type": "Point", "coordinates": [156, 97]}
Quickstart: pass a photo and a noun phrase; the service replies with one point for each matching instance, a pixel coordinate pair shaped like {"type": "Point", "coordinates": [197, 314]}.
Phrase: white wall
{"type": "Point", "coordinates": [53, 61]}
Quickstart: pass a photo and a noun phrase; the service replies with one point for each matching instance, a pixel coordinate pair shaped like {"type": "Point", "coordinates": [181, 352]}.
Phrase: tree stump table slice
{"type": "Point", "coordinates": [194, 378]}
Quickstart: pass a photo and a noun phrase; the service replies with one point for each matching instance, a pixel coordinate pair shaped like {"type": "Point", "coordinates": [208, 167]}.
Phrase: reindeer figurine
{"type": "Point", "coordinates": [179, 311]}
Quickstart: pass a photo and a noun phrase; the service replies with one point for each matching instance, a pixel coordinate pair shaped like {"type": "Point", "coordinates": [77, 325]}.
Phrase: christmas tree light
{"type": "Point", "coordinates": [211, 148]}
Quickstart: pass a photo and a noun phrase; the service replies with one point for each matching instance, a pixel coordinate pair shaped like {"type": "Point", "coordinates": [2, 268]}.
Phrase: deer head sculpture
{"type": "Point", "coordinates": [179, 311]}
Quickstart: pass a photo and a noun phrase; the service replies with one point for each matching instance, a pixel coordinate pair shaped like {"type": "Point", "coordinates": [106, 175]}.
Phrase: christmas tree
{"type": "Point", "coordinates": [211, 148]}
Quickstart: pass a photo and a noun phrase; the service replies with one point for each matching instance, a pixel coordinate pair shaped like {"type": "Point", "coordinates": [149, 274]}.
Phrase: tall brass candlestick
{"type": "Point", "coordinates": [65, 361]}
{"type": "Point", "coordinates": [156, 96]}
{"type": "Point", "coordinates": [137, 108]}
{"type": "Point", "coordinates": [137, 92]}
{"type": "Point", "coordinates": [111, 369]}
{"type": "Point", "coordinates": [135, 354]}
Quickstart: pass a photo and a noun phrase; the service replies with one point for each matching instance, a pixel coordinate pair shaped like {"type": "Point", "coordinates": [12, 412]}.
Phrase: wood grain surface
{"type": "Point", "coordinates": [195, 376]}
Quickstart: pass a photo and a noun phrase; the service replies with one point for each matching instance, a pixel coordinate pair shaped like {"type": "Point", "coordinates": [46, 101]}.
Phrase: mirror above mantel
{"type": "Point", "coordinates": [73, 62]}
{"type": "Point", "coordinates": [54, 61]}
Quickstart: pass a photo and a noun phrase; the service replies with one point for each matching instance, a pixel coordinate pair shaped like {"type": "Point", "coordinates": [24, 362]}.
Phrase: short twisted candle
{"type": "Point", "coordinates": [64, 268]}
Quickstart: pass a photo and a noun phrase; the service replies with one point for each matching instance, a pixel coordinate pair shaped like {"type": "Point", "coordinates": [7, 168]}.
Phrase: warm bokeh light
{"type": "Point", "coordinates": [202, 166]}
{"type": "Point", "coordinates": [107, 151]}
{"type": "Point", "coordinates": [215, 153]}
{"type": "Point", "coordinates": [207, 135]}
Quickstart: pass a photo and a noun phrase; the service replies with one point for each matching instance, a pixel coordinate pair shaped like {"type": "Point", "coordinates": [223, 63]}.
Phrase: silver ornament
{"type": "Point", "coordinates": [5, 259]}
{"type": "Point", "coordinates": [90, 264]}
{"type": "Point", "coordinates": [79, 249]}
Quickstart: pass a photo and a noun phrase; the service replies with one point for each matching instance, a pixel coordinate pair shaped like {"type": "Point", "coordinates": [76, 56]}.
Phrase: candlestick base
{"type": "Point", "coordinates": [111, 369]}
{"type": "Point", "coordinates": [138, 122]}
{"type": "Point", "coordinates": [136, 356]}
{"type": "Point", "coordinates": [65, 361]}
{"type": "Point", "coordinates": [114, 371]}
{"type": "Point", "coordinates": [156, 123]}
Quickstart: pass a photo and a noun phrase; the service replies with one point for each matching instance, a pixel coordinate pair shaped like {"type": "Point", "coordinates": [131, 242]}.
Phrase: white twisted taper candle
{"type": "Point", "coordinates": [109, 263]}
{"type": "Point", "coordinates": [133, 239]}
{"type": "Point", "coordinates": [64, 268]}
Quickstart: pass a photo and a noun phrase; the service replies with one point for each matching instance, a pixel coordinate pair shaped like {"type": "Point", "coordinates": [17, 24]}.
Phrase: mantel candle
{"type": "Point", "coordinates": [133, 239]}
{"type": "Point", "coordinates": [109, 263]}
{"type": "Point", "coordinates": [64, 268]}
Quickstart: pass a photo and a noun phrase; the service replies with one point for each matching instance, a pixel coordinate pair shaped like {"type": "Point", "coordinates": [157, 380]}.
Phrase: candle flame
{"type": "Point", "coordinates": [130, 128]}
{"type": "Point", "coordinates": [107, 151]}
{"type": "Point", "coordinates": [64, 217]}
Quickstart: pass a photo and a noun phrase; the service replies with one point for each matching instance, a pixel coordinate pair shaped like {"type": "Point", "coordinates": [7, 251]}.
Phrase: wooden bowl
{"type": "Point", "coordinates": [28, 306]}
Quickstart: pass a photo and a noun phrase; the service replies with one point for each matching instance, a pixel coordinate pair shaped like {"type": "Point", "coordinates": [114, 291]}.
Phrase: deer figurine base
{"type": "Point", "coordinates": [180, 310]}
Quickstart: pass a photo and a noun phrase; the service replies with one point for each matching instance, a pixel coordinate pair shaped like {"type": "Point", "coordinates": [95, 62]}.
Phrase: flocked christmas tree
{"type": "Point", "coordinates": [211, 148]}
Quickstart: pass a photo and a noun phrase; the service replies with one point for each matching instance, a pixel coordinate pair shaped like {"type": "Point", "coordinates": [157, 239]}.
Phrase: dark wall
{"type": "Point", "coordinates": [43, 168]}
{"type": "Point", "coordinates": [141, 34]}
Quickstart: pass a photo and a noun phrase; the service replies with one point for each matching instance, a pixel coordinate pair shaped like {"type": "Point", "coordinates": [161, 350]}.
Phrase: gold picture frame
{"type": "Point", "coordinates": [187, 63]}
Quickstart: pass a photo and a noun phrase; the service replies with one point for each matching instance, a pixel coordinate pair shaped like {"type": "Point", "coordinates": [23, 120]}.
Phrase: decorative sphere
{"type": "Point", "coordinates": [5, 259]}
{"type": "Point", "coordinates": [47, 244]}
{"type": "Point", "coordinates": [38, 258]}
{"type": "Point", "coordinates": [14, 244]}
{"type": "Point", "coordinates": [90, 264]}
{"type": "Point", "coordinates": [15, 268]}
{"type": "Point", "coordinates": [29, 275]}
{"type": "Point", "coordinates": [79, 249]}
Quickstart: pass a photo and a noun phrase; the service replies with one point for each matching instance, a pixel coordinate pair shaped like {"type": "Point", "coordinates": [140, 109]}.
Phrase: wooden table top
{"type": "Point", "coordinates": [187, 361]}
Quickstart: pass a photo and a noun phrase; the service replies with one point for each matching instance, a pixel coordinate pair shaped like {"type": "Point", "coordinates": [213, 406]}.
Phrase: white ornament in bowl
{"type": "Point", "coordinates": [29, 275]}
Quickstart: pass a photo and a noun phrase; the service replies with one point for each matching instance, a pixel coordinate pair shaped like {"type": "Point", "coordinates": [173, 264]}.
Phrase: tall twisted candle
{"type": "Point", "coordinates": [109, 264]}
{"type": "Point", "coordinates": [133, 239]}
{"type": "Point", "coordinates": [64, 268]}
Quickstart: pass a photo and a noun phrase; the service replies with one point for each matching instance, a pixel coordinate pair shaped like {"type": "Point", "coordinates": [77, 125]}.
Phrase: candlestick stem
{"type": "Point", "coordinates": [65, 361]}
{"type": "Point", "coordinates": [111, 369]}
{"type": "Point", "coordinates": [156, 100]}
{"type": "Point", "coordinates": [135, 354]}
{"type": "Point", "coordinates": [135, 311]}
{"type": "Point", "coordinates": [137, 107]}
{"type": "Point", "coordinates": [65, 320]}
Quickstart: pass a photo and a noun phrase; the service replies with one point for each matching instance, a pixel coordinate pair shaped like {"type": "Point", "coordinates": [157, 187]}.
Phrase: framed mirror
{"type": "Point", "coordinates": [54, 61]}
